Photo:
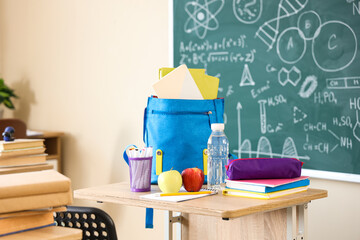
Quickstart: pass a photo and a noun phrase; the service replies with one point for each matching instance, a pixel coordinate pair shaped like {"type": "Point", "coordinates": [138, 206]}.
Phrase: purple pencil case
{"type": "Point", "coordinates": [262, 168]}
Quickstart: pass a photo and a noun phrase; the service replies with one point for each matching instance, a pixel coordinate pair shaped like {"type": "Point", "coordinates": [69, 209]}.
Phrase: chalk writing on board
{"type": "Point", "coordinates": [245, 146]}
{"type": "Point", "coordinates": [270, 68]}
{"type": "Point", "coordinates": [256, 92]}
{"type": "Point", "coordinates": [269, 31]}
{"type": "Point", "coordinates": [298, 115]}
{"type": "Point", "coordinates": [229, 91]}
{"type": "Point", "coordinates": [309, 22]}
{"type": "Point", "coordinates": [247, 11]}
{"type": "Point", "coordinates": [291, 45]}
{"type": "Point", "coordinates": [343, 83]}
{"type": "Point", "coordinates": [356, 130]}
{"type": "Point", "coordinates": [325, 98]}
{"type": "Point", "coordinates": [246, 78]}
{"type": "Point", "coordinates": [343, 121]}
{"type": "Point", "coordinates": [293, 66]}
{"type": "Point", "coordinates": [308, 86]}
{"type": "Point", "coordinates": [292, 76]}
{"type": "Point", "coordinates": [354, 103]}
{"type": "Point", "coordinates": [321, 147]}
{"type": "Point", "coordinates": [339, 38]}
{"type": "Point", "coordinates": [264, 145]}
{"type": "Point", "coordinates": [264, 149]}
{"type": "Point", "coordinates": [262, 116]}
{"type": "Point", "coordinates": [202, 16]}
{"type": "Point", "coordinates": [356, 7]}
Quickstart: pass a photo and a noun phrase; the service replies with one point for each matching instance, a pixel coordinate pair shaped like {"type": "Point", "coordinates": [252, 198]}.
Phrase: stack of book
{"type": "Point", "coordinates": [266, 188]}
{"type": "Point", "coordinates": [28, 200]}
{"type": "Point", "coordinates": [48, 233]}
{"type": "Point", "coordinates": [22, 153]}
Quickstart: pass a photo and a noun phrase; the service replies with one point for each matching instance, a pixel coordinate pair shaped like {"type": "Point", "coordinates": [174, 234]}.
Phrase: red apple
{"type": "Point", "coordinates": [193, 179]}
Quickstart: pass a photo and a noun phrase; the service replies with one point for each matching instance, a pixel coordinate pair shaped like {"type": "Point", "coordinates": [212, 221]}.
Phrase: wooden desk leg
{"type": "Point", "coordinates": [291, 223]}
{"type": "Point", "coordinates": [170, 219]}
{"type": "Point", "coordinates": [297, 222]}
{"type": "Point", "coordinates": [303, 221]}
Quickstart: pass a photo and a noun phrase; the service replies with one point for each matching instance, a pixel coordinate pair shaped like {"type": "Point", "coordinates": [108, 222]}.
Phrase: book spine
{"type": "Point", "coordinates": [247, 187]}
{"type": "Point", "coordinates": [21, 145]}
{"type": "Point", "coordinates": [12, 153]}
{"type": "Point", "coordinates": [35, 201]}
{"type": "Point", "coordinates": [29, 229]}
{"type": "Point", "coordinates": [247, 196]}
{"type": "Point", "coordinates": [31, 159]}
{"type": "Point", "coordinates": [21, 223]}
{"type": "Point", "coordinates": [34, 189]}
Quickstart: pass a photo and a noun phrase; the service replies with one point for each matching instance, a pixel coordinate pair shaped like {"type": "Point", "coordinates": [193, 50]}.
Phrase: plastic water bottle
{"type": "Point", "coordinates": [218, 151]}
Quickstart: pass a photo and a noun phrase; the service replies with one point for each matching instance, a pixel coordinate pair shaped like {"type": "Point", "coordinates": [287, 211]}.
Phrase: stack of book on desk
{"type": "Point", "coordinates": [22, 153]}
{"type": "Point", "coordinates": [266, 188]}
{"type": "Point", "coordinates": [28, 200]}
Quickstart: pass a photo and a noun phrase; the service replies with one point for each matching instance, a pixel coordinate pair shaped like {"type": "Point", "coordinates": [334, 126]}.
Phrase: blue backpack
{"type": "Point", "coordinates": [178, 131]}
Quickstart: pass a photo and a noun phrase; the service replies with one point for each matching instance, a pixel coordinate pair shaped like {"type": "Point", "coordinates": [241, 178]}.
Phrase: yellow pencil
{"type": "Point", "coordinates": [184, 193]}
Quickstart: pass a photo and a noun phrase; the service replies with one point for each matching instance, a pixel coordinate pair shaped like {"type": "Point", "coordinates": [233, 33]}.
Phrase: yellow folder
{"type": "Point", "coordinates": [208, 85]}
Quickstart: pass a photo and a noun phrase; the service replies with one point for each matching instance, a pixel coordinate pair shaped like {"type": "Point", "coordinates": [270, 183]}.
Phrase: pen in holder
{"type": "Point", "coordinates": [140, 162]}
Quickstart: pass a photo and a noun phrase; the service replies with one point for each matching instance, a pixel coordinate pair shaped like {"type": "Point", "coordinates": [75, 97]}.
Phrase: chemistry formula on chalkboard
{"type": "Point", "coordinates": [289, 72]}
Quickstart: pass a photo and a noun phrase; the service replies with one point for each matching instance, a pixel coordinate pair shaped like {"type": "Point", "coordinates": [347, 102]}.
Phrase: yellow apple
{"type": "Point", "coordinates": [170, 181]}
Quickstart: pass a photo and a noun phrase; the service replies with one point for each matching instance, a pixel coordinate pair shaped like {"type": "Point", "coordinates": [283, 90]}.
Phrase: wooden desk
{"type": "Point", "coordinates": [53, 146]}
{"type": "Point", "coordinates": [218, 216]}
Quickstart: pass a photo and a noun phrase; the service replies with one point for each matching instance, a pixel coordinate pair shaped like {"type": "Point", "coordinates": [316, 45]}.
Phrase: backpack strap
{"type": "Point", "coordinates": [149, 218]}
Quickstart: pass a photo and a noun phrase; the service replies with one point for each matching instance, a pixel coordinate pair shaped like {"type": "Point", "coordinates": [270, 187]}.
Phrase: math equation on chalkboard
{"type": "Point", "coordinates": [289, 72]}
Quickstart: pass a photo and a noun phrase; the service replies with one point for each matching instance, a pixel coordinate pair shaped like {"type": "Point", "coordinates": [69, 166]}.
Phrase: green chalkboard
{"type": "Point", "coordinates": [289, 72]}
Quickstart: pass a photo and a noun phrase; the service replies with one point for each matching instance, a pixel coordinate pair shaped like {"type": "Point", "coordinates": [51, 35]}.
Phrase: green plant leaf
{"type": "Point", "coordinates": [5, 94]}
{"type": "Point", "coordinates": [9, 93]}
{"type": "Point", "coordinates": [8, 103]}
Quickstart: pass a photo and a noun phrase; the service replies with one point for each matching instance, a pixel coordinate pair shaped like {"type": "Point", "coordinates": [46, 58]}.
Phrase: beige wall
{"type": "Point", "coordinates": [85, 67]}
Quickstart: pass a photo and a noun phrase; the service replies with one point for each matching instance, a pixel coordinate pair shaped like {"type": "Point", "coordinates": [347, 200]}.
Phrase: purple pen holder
{"type": "Point", "coordinates": [140, 174]}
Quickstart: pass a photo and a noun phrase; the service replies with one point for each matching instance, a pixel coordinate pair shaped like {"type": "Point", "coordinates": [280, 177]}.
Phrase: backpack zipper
{"type": "Point", "coordinates": [181, 113]}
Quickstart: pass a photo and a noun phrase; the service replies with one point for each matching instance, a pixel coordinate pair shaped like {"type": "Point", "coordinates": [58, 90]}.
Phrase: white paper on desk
{"type": "Point", "coordinates": [31, 133]}
{"type": "Point", "coordinates": [178, 84]}
{"type": "Point", "coordinates": [179, 198]}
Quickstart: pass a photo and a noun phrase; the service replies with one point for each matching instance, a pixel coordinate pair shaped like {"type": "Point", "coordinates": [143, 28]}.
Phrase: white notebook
{"type": "Point", "coordinates": [178, 198]}
{"type": "Point", "coordinates": [178, 84]}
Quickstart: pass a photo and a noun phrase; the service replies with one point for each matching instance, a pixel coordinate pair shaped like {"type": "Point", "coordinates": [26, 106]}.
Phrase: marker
{"type": "Point", "coordinates": [184, 193]}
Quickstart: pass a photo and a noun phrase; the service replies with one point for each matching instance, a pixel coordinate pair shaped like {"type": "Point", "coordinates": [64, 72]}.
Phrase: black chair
{"type": "Point", "coordinates": [95, 223]}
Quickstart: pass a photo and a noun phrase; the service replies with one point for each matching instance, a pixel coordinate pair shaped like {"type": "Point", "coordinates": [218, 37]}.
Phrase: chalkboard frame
{"type": "Point", "coordinates": [320, 174]}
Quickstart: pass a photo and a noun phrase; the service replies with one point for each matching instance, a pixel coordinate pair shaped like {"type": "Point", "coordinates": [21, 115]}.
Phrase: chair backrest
{"type": "Point", "coordinates": [95, 223]}
{"type": "Point", "coordinates": [17, 124]}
